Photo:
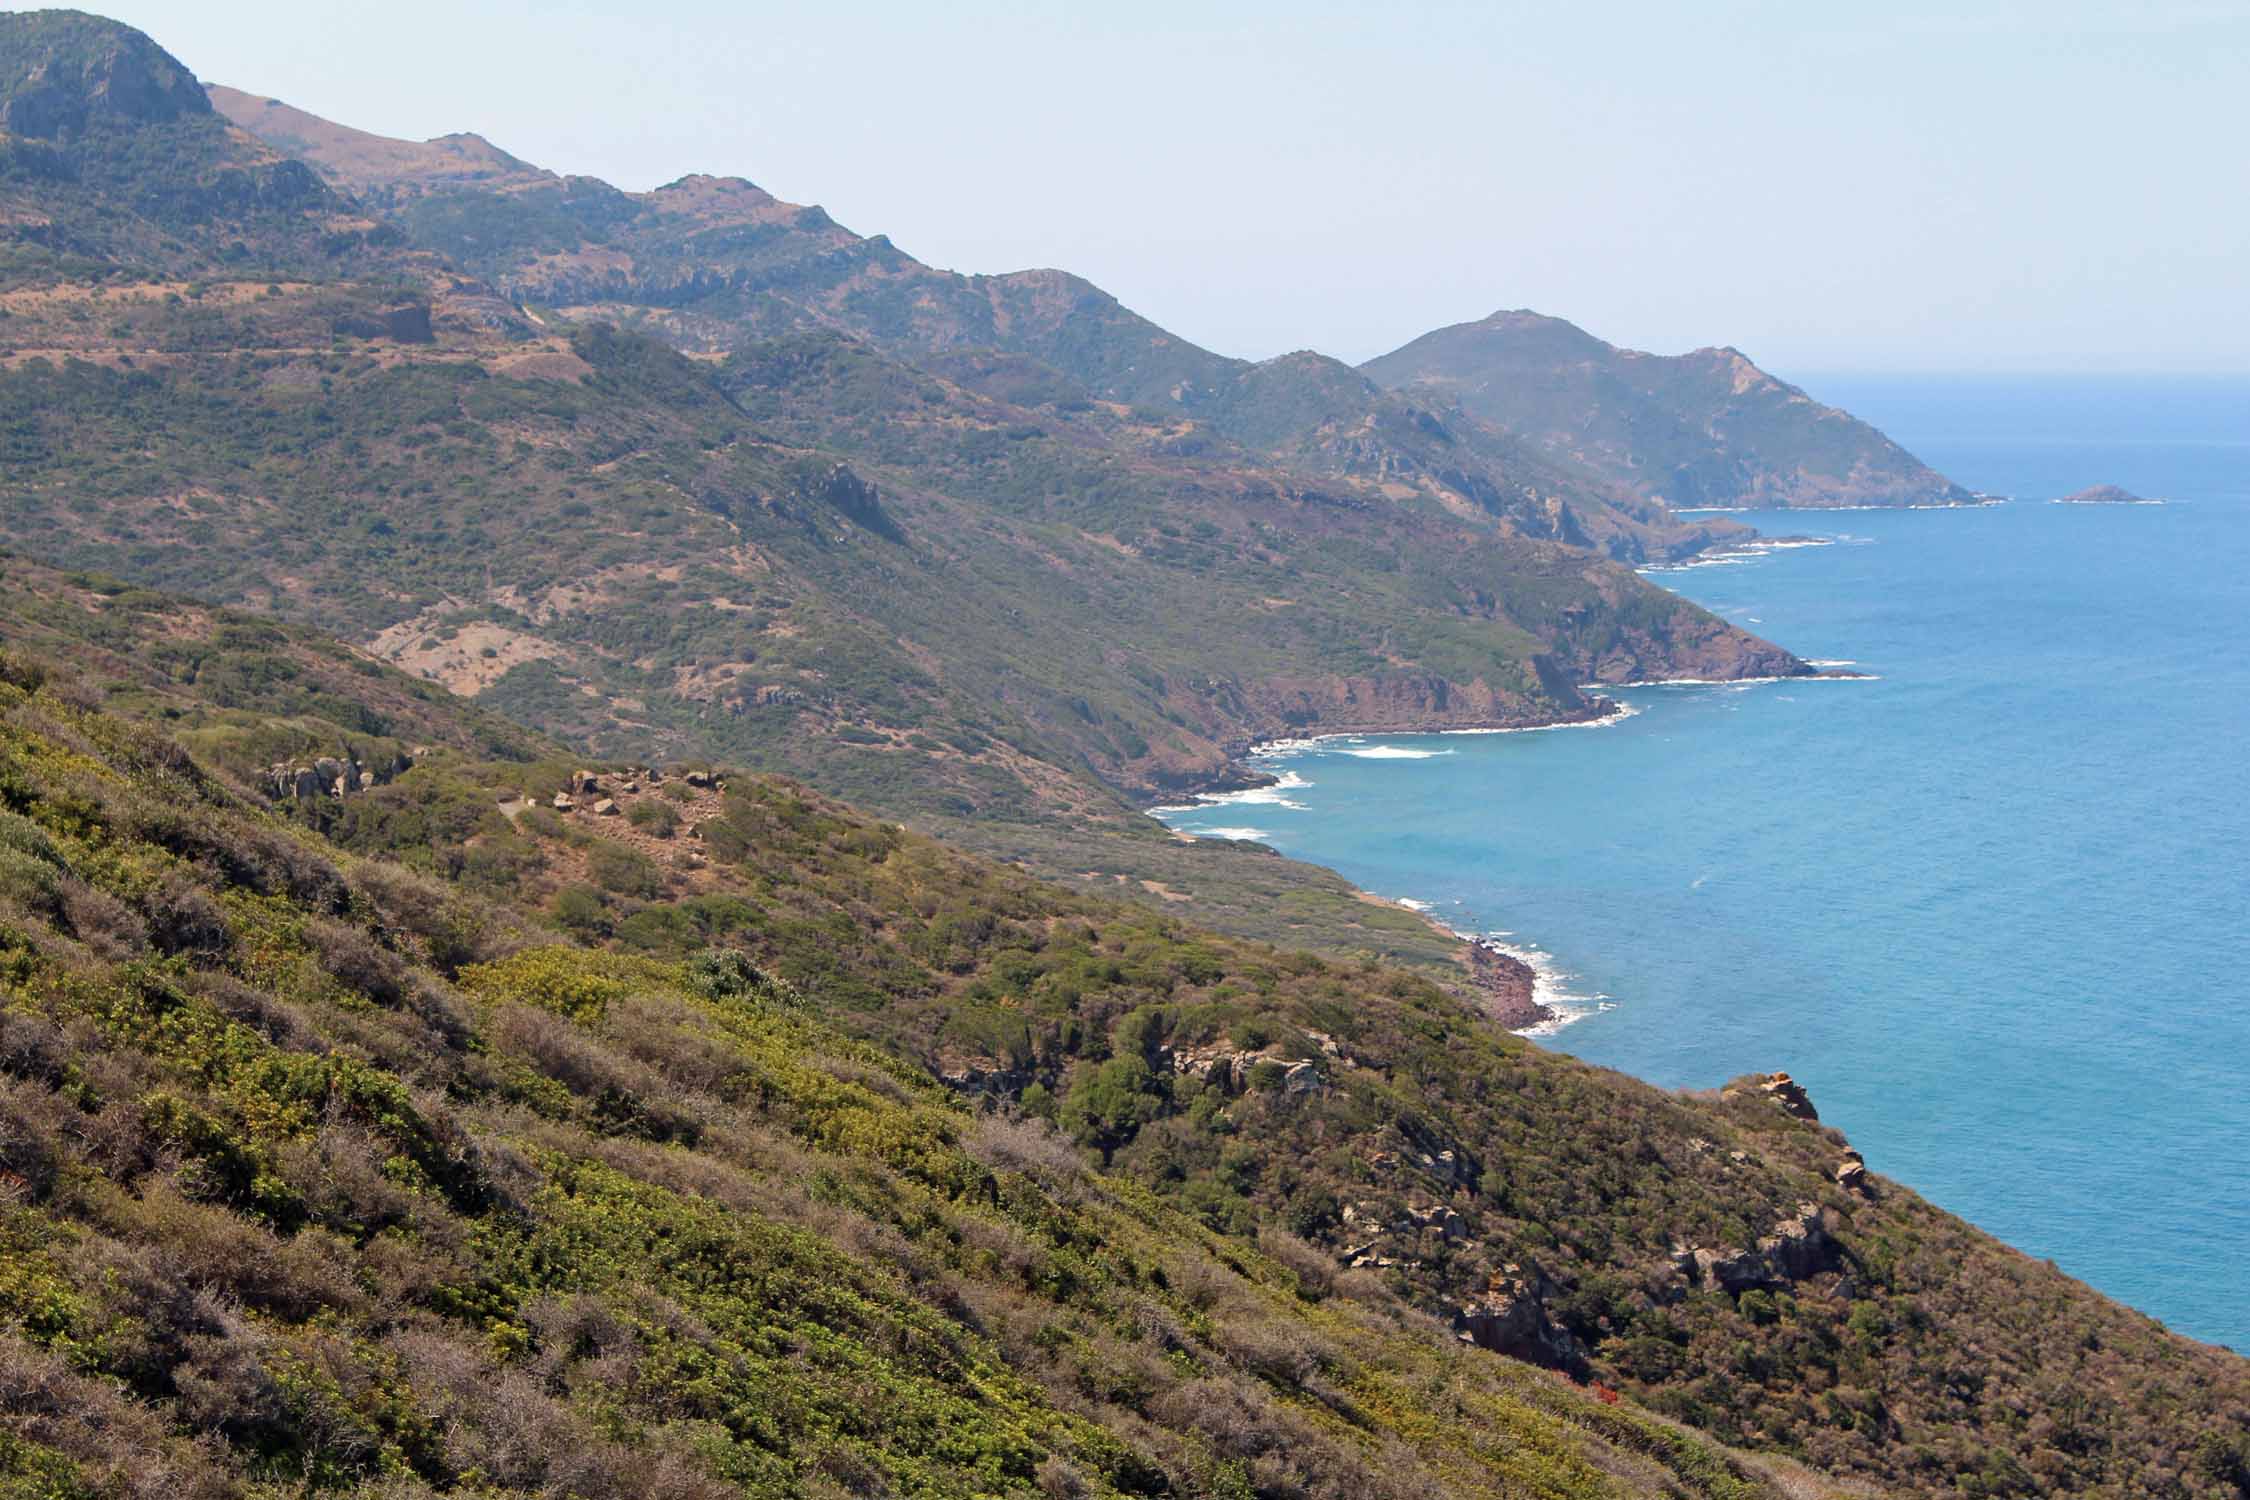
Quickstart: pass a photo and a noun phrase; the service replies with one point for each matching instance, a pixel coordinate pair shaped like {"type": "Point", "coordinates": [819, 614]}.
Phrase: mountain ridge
{"type": "Point", "coordinates": [718, 259]}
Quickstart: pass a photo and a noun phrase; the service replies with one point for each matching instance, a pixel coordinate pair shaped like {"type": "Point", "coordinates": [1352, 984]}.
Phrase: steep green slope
{"type": "Point", "coordinates": [320, 1181]}
{"type": "Point", "coordinates": [429, 1152]}
{"type": "Point", "coordinates": [1704, 428]}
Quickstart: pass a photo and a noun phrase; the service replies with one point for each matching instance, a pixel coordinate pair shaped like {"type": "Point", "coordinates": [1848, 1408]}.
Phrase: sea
{"type": "Point", "coordinates": [1988, 902]}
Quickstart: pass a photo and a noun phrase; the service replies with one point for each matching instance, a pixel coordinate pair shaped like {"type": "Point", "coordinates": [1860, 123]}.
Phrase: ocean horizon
{"type": "Point", "coordinates": [1982, 900]}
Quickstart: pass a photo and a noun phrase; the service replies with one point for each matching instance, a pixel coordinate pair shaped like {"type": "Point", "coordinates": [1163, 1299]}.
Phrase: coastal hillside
{"type": "Point", "coordinates": [319, 1176]}
{"type": "Point", "coordinates": [956, 588]}
{"type": "Point", "coordinates": [531, 1125]}
{"type": "Point", "coordinates": [1707, 428]}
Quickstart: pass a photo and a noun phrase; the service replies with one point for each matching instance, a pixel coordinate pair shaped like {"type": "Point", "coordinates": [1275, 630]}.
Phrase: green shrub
{"type": "Point", "coordinates": [653, 816]}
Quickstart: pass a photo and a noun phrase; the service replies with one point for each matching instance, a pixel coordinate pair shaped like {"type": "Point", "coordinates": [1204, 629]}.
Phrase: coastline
{"type": "Point", "coordinates": [1516, 989]}
{"type": "Point", "coordinates": [1521, 989]}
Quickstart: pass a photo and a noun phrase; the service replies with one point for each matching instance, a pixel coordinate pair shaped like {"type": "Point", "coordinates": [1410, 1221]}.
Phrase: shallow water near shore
{"type": "Point", "coordinates": [1986, 905]}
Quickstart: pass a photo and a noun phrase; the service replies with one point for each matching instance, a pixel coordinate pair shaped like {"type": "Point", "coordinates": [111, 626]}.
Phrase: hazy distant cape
{"type": "Point", "coordinates": [1706, 428]}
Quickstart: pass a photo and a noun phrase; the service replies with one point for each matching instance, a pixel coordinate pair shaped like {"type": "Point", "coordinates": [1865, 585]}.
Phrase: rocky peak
{"type": "Point", "coordinates": [1540, 334]}
{"type": "Point", "coordinates": [63, 72]}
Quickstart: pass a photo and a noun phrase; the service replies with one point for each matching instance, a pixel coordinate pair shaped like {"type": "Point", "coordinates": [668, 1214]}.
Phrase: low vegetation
{"type": "Point", "coordinates": [323, 1175]}
{"type": "Point", "coordinates": [552, 1148]}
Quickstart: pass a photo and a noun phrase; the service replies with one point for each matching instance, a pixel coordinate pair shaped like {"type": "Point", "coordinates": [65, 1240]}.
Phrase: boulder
{"type": "Point", "coordinates": [564, 802]}
{"type": "Point", "coordinates": [605, 808]}
{"type": "Point", "coordinates": [1443, 1220]}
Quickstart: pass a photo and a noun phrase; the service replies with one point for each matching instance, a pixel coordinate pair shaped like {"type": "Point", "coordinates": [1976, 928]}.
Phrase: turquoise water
{"type": "Point", "coordinates": [1989, 907]}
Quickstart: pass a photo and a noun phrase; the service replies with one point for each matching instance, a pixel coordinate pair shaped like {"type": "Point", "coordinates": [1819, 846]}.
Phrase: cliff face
{"type": "Point", "coordinates": [1706, 428]}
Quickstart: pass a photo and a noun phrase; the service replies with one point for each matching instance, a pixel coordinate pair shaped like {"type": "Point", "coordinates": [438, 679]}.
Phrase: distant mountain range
{"type": "Point", "coordinates": [710, 261]}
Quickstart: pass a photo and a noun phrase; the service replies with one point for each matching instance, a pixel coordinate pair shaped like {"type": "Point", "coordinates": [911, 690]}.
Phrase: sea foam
{"type": "Point", "coordinates": [1394, 752]}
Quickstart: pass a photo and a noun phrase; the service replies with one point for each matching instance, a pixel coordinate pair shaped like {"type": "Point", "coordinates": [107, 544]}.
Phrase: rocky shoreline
{"type": "Point", "coordinates": [1508, 986]}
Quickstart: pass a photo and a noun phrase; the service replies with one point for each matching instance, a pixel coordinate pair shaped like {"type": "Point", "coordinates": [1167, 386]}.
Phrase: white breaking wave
{"type": "Point", "coordinates": [1275, 748]}
{"type": "Point", "coordinates": [1395, 752]}
{"type": "Point", "coordinates": [1252, 796]}
{"type": "Point", "coordinates": [1413, 905]}
{"type": "Point", "coordinates": [1251, 834]}
{"type": "Point", "coordinates": [1735, 554]}
{"type": "Point", "coordinates": [1721, 682]}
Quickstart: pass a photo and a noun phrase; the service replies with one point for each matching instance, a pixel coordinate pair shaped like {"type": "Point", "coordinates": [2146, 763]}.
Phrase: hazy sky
{"type": "Point", "coordinates": [2056, 185]}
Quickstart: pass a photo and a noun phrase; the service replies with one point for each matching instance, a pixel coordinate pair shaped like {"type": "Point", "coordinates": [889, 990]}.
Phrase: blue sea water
{"type": "Point", "coordinates": [1989, 907]}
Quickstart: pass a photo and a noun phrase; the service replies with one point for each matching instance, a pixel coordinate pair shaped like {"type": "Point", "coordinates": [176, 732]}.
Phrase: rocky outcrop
{"type": "Point", "coordinates": [2103, 494]}
{"type": "Point", "coordinates": [1231, 1070]}
{"type": "Point", "coordinates": [1802, 1244]}
{"type": "Point", "coordinates": [1510, 1317]}
{"type": "Point", "coordinates": [986, 1077]}
{"type": "Point", "coordinates": [327, 776]}
{"type": "Point", "coordinates": [1402, 703]}
{"type": "Point", "coordinates": [1788, 1093]}
{"type": "Point", "coordinates": [1703, 648]}
{"type": "Point", "coordinates": [836, 488]}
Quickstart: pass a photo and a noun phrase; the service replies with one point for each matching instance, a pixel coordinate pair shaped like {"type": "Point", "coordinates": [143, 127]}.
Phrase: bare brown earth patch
{"type": "Point", "coordinates": [467, 658]}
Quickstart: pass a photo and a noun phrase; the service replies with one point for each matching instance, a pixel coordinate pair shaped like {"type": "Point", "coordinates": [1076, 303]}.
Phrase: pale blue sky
{"type": "Point", "coordinates": [1907, 185]}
